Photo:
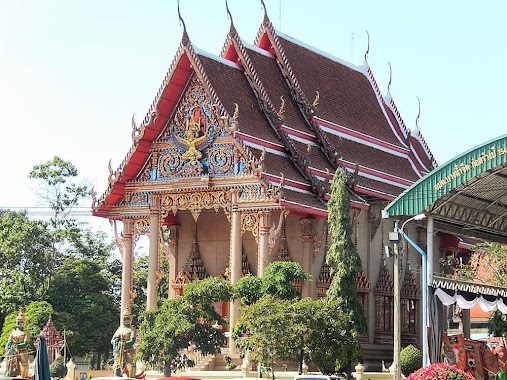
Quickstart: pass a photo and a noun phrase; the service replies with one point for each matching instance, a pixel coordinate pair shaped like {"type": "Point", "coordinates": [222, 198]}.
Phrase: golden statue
{"type": "Point", "coordinates": [192, 140]}
{"type": "Point", "coordinates": [123, 347]}
{"type": "Point", "coordinates": [16, 349]}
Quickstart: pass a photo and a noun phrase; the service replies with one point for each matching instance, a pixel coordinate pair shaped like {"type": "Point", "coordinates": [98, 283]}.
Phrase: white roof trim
{"type": "Point", "coordinates": [217, 58]}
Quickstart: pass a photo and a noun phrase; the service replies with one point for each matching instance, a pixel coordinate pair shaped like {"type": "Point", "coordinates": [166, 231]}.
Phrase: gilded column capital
{"type": "Point", "coordinates": [154, 203]}
{"type": "Point", "coordinates": [308, 229]}
{"type": "Point", "coordinates": [235, 198]}
{"type": "Point", "coordinates": [264, 222]}
{"type": "Point", "coordinates": [128, 228]}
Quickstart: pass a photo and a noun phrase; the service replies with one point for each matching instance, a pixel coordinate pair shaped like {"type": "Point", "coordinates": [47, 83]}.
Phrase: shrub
{"type": "Point", "coordinates": [58, 368]}
{"type": "Point", "coordinates": [410, 359]}
{"type": "Point", "coordinates": [440, 371]}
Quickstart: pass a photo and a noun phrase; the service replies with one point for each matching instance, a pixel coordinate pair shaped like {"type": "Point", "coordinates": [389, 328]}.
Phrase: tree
{"type": "Point", "coordinates": [248, 289]}
{"type": "Point", "coordinates": [58, 369]}
{"type": "Point", "coordinates": [263, 330]}
{"type": "Point", "coordinates": [343, 260]}
{"type": "Point", "coordinates": [84, 306]}
{"type": "Point", "coordinates": [488, 264]}
{"type": "Point", "coordinates": [36, 315]}
{"type": "Point", "coordinates": [279, 277]}
{"type": "Point", "coordinates": [277, 281]}
{"type": "Point", "coordinates": [25, 251]}
{"type": "Point", "coordinates": [328, 341]}
{"type": "Point", "coordinates": [188, 321]}
{"type": "Point", "coordinates": [303, 330]}
{"type": "Point", "coordinates": [59, 191]}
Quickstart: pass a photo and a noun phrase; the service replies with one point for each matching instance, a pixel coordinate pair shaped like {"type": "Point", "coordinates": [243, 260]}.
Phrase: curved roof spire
{"type": "Point", "coordinates": [368, 47]}
{"type": "Point", "coordinates": [232, 29]}
{"type": "Point", "coordinates": [418, 115]}
{"type": "Point", "coordinates": [266, 18]}
{"type": "Point", "coordinates": [184, 38]}
{"type": "Point", "coordinates": [390, 77]}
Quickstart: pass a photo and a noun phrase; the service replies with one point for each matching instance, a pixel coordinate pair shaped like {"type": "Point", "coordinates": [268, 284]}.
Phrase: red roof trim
{"type": "Point", "coordinates": [153, 124]}
{"type": "Point", "coordinates": [372, 172]}
{"type": "Point", "coordinates": [360, 136]}
{"type": "Point", "coordinates": [303, 209]}
{"type": "Point", "coordinates": [376, 193]}
{"type": "Point", "coordinates": [287, 182]}
{"type": "Point", "coordinates": [303, 135]}
{"type": "Point", "coordinates": [263, 143]}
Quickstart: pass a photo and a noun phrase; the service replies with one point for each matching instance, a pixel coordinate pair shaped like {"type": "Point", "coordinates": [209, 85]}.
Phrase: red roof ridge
{"type": "Point", "coordinates": [417, 135]}
{"type": "Point", "coordinates": [276, 119]}
{"type": "Point", "coordinates": [308, 110]}
{"type": "Point", "coordinates": [141, 139]}
{"type": "Point", "coordinates": [367, 71]}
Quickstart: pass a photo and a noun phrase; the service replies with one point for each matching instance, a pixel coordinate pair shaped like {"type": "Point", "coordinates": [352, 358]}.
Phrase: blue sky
{"type": "Point", "coordinates": [72, 73]}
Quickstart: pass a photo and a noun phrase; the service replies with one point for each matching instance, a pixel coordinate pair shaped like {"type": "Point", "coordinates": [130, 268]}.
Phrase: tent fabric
{"type": "Point", "coordinates": [466, 300]}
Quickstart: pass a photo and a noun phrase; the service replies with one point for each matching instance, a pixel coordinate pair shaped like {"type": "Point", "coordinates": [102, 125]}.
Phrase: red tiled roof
{"type": "Point", "coordinates": [346, 95]}
{"type": "Point", "coordinates": [347, 99]}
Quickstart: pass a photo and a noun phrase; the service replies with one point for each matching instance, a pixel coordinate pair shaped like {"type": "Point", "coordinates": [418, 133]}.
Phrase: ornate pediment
{"type": "Point", "coordinates": [195, 142]}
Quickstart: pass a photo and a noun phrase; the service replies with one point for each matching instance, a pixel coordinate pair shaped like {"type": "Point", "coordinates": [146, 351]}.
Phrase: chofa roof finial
{"type": "Point", "coordinates": [266, 18]}
{"type": "Point", "coordinates": [229, 14]}
{"type": "Point", "coordinates": [185, 38]}
{"type": "Point", "coordinates": [418, 114]}
{"type": "Point", "coordinates": [368, 46]}
{"type": "Point", "coordinates": [390, 77]}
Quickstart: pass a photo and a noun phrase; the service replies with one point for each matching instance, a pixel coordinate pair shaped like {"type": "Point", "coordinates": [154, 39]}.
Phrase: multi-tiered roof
{"type": "Point", "coordinates": [302, 114]}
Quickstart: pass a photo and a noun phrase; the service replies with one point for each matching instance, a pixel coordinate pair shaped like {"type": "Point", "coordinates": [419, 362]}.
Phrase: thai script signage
{"type": "Point", "coordinates": [490, 153]}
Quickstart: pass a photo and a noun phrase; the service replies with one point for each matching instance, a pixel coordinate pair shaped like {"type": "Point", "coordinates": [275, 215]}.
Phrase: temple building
{"type": "Point", "coordinates": [230, 170]}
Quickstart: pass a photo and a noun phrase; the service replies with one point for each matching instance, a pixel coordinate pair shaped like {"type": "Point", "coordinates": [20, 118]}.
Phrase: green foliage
{"type": "Point", "coordinates": [294, 330]}
{"type": "Point", "coordinates": [277, 281]}
{"type": "Point", "coordinates": [9, 324]}
{"type": "Point", "coordinates": [342, 257]}
{"type": "Point", "coordinates": [25, 252]}
{"type": "Point", "coordinates": [410, 359]}
{"type": "Point", "coordinates": [230, 365]}
{"type": "Point", "coordinates": [84, 305]}
{"type": "Point", "coordinates": [488, 259]}
{"type": "Point", "coordinates": [263, 330]}
{"type": "Point", "coordinates": [248, 289]}
{"type": "Point", "coordinates": [140, 283]}
{"type": "Point", "coordinates": [58, 189]}
{"type": "Point", "coordinates": [343, 260]}
{"type": "Point", "coordinates": [167, 331]}
{"type": "Point", "coordinates": [497, 324]}
{"type": "Point", "coordinates": [58, 368]}
{"type": "Point", "coordinates": [36, 315]}
{"type": "Point", "coordinates": [278, 278]}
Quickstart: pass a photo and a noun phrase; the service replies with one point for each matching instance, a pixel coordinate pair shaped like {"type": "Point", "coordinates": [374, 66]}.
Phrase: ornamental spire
{"type": "Point", "coordinates": [390, 77]}
{"type": "Point", "coordinates": [367, 48]}
{"type": "Point", "coordinates": [266, 18]}
{"type": "Point", "coordinates": [232, 29]}
{"type": "Point", "coordinates": [418, 115]}
{"type": "Point", "coordinates": [184, 39]}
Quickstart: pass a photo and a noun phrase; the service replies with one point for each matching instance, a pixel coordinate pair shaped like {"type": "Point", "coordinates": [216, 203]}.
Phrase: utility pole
{"type": "Point", "coordinates": [397, 303]}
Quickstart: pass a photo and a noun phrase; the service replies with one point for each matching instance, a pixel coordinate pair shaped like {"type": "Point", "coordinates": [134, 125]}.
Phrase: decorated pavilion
{"type": "Point", "coordinates": [230, 170]}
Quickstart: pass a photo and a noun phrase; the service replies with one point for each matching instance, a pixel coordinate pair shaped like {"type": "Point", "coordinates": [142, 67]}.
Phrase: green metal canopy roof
{"type": "Point", "coordinates": [467, 195]}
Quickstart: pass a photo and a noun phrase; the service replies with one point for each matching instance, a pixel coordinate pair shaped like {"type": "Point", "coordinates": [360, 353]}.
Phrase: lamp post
{"type": "Point", "coordinates": [395, 238]}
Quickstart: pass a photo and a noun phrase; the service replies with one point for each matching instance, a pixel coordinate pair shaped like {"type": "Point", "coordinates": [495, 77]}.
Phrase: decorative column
{"type": "Point", "coordinates": [151, 289]}
{"type": "Point", "coordinates": [235, 259]}
{"type": "Point", "coordinates": [126, 271]}
{"type": "Point", "coordinates": [308, 231]}
{"type": "Point", "coordinates": [172, 256]}
{"type": "Point", "coordinates": [263, 252]}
